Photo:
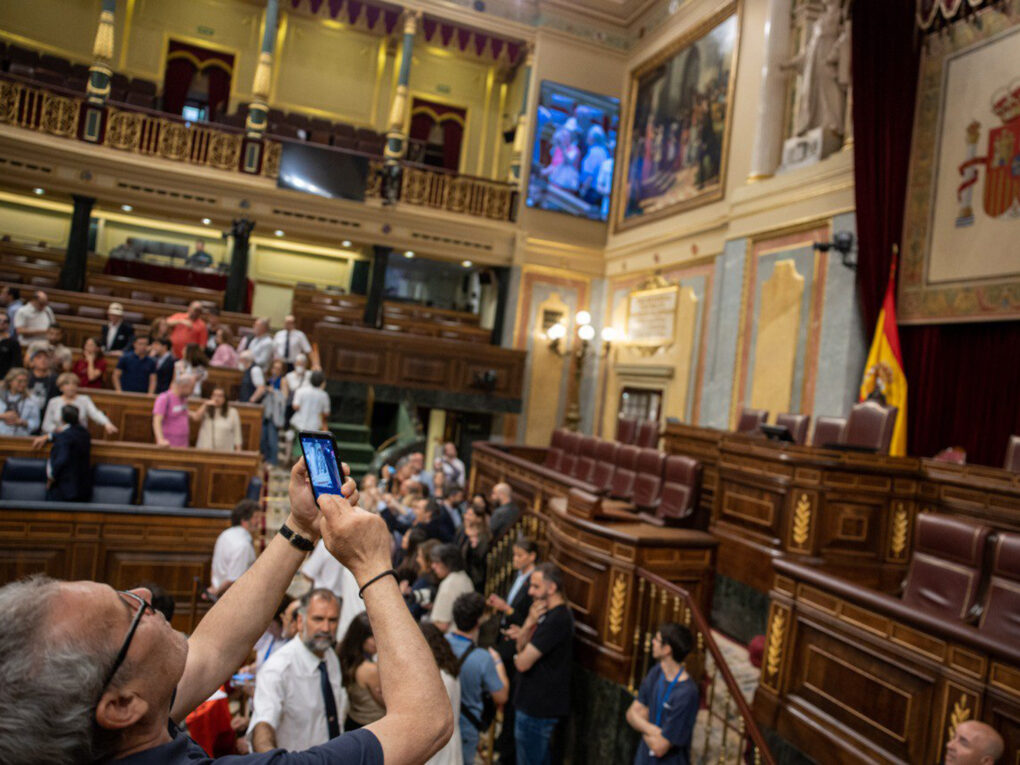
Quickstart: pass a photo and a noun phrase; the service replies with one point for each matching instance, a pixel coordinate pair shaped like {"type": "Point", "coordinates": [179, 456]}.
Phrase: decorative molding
{"type": "Point", "coordinates": [774, 652]}
{"type": "Point", "coordinates": [618, 604]}
{"type": "Point", "coordinates": [900, 526]}
{"type": "Point", "coordinates": [801, 530]}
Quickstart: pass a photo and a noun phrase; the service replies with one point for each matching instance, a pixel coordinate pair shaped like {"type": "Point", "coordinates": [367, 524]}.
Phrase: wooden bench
{"type": "Point", "coordinates": [173, 294]}
{"type": "Point", "coordinates": [216, 377]}
{"type": "Point", "coordinates": [28, 253]}
{"type": "Point", "coordinates": [217, 479]}
{"type": "Point", "coordinates": [132, 414]}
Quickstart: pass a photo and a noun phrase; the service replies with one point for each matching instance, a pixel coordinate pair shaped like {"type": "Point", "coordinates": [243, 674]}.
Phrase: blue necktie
{"type": "Point", "coordinates": [330, 701]}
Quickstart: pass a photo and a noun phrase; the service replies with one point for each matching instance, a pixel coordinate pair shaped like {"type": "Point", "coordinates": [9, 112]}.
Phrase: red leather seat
{"type": "Point", "coordinates": [797, 424]}
{"type": "Point", "coordinates": [606, 457]}
{"type": "Point", "coordinates": [622, 486]}
{"type": "Point", "coordinates": [750, 420]}
{"type": "Point", "coordinates": [648, 482]}
{"type": "Point", "coordinates": [871, 425]}
{"type": "Point", "coordinates": [1013, 454]}
{"type": "Point", "coordinates": [571, 451]}
{"type": "Point", "coordinates": [828, 430]}
{"type": "Point", "coordinates": [681, 479]}
{"type": "Point", "coordinates": [946, 566]}
{"type": "Point", "coordinates": [626, 430]}
{"type": "Point", "coordinates": [585, 465]}
{"type": "Point", "coordinates": [555, 453]}
{"type": "Point", "coordinates": [647, 435]}
{"type": "Point", "coordinates": [1001, 616]}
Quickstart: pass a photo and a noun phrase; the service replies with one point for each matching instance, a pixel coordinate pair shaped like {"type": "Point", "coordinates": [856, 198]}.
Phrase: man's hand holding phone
{"type": "Point", "coordinates": [305, 517]}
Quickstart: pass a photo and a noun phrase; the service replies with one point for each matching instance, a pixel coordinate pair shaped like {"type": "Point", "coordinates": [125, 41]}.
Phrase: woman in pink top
{"type": "Point", "coordinates": [170, 415]}
{"type": "Point", "coordinates": [225, 354]}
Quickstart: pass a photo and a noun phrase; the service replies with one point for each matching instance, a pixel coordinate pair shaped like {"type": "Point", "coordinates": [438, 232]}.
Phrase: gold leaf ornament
{"type": "Point", "coordinates": [802, 520]}
{"type": "Point", "coordinates": [899, 531]}
{"type": "Point", "coordinates": [775, 650]}
{"type": "Point", "coordinates": [961, 713]}
{"type": "Point", "coordinates": [617, 602]}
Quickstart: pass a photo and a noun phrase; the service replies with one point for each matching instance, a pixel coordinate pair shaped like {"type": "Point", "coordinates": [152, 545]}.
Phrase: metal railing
{"type": "Point", "coordinates": [725, 731]}
{"type": "Point", "coordinates": [443, 190]}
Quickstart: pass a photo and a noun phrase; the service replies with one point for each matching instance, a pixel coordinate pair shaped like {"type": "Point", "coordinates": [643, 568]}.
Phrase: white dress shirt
{"type": "Point", "coordinates": [326, 571]}
{"type": "Point", "coordinates": [232, 555]}
{"type": "Point", "coordinates": [87, 410]}
{"type": "Point", "coordinates": [298, 344]}
{"type": "Point", "coordinates": [288, 696]}
{"type": "Point", "coordinates": [310, 403]}
{"type": "Point", "coordinates": [261, 349]}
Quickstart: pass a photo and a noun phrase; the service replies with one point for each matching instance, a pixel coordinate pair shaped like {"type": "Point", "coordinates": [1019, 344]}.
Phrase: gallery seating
{"type": "Point", "coordinates": [606, 455]}
{"type": "Point", "coordinates": [1000, 617]}
{"type": "Point", "coordinates": [647, 435]}
{"type": "Point", "coordinates": [571, 451]}
{"type": "Point", "coordinates": [797, 424]}
{"type": "Point", "coordinates": [678, 500]}
{"type": "Point", "coordinates": [626, 430]}
{"type": "Point", "coordinates": [750, 420]}
{"type": "Point", "coordinates": [165, 488]}
{"type": "Point", "coordinates": [1013, 454]}
{"type": "Point", "coordinates": [828, 430]}
{"type": "Point", "coordinates": [554, 454]}
{"type": "Point", "coordinates": [870, 426]}
{"type": "Point", "coordinates": [23, 479]}
{"type": "Point", "coordinates": [648, 480]}
{"type": "Point", "coordinates": [114, 484]}
{"type": "Point", "coordinates": [946, 566]}
{"type": "Point", "coordinates": [622, 486]}
{"type": "Point", "coordinates": [584, 468]}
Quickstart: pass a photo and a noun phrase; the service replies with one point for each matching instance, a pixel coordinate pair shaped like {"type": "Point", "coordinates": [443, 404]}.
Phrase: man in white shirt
{"type": "Point", "coordinates": [289, 342]}
{"type": "Point", "coordinates": [325, 572]}
{"type": "Point", "coordinates": [34, 318]}
{"type": "Point", "coordinates": [233, 552]}
{"type": "Point", "coordinates": [260, 344]}
{"type": "Point", "coordinates": [311, 405]}
{"type": "Point", "coordinates": [299, 697]}
{"type": "Point", "coordinates": [448, 565]}
{"type": "Point", "coordinates": [453, 468]}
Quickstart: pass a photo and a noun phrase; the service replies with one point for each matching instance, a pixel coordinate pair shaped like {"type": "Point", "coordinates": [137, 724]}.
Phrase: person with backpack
{"type": "Point", "coordinates": [483, 680]}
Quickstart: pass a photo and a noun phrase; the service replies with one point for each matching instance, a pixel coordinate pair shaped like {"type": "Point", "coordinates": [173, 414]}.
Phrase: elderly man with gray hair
{"type": "Point", "coordinates": [260, 344]}
{"type": "Point", "coordinates": [91, 674]}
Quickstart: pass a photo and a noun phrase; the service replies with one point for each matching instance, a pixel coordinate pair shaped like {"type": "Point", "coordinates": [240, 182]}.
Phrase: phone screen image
{"type": "Point", "coordinates": [321, 461]}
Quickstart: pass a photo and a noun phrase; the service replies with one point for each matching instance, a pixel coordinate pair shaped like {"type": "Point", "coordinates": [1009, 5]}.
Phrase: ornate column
{"type": "Point", "coordinates": [72, 272]}
{"type": "Point", "coordinates": [236, 293]}
{"type": "Point", "coordinates": [396, 138]}
{"type": "Point", "coordinates": [521, 132]}
{"type": "Point", "coordinates": [376, 285]}
{"type": "Point", "coordinates": [259, 107]}
{"type": "Point", "coordinates": [100, 74]}
{"type": "Point", "coordinates": [768, 139]}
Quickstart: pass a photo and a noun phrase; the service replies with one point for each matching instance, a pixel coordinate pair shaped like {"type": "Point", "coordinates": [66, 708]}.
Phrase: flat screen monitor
{"type": "Point", "coordinates": [572, 157]}
{"type": "Point", "coordinates": [324, 172]}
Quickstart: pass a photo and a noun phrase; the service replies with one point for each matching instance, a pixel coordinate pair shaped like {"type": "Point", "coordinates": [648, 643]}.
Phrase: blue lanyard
{"type": "Point", "coordinates": [272, 642]}
{"type": "Point", "coordinates": [665, 695]}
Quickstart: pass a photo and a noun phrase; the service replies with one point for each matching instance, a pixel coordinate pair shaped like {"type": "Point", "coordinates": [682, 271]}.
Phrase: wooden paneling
{"type": "Point", "coordinates": [379, 357]}
{"type": "Point", "coordinates": [217, 479]}
{"type": "Point", "coordinates": [132, 414]}
{"type": "Point", "coordinates": [121, 549]}
{"type": "Point", "coordinates": [216, 377]}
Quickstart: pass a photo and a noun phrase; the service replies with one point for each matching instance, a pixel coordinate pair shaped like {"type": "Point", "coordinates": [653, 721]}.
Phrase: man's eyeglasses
{"type": "Point", "coordinates": [143, 605]}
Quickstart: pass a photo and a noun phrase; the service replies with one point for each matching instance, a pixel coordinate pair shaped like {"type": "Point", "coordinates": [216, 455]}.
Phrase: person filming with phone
{"type": "Point", "coordinates": [92, 674]}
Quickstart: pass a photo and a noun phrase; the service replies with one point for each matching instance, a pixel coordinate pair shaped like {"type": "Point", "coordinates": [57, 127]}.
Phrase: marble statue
{"type": "Point", "coordinates": [824, 67]}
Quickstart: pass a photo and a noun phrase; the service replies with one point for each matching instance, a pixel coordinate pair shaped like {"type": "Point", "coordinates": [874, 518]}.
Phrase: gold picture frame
{"type": "Point", "coordinates": [684, 166]}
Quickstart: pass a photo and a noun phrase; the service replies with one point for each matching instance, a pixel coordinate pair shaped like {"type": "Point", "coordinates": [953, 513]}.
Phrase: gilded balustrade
{"type": "Point", "coordinates": [36, 109]}
{"type": "Point", "coordinates": [456, 193]}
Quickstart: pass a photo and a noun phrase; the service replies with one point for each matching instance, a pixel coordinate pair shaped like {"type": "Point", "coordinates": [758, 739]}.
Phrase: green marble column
{"type": "Point", "coordinates": [259, 107]}
{"type": "Point", "coordinates": [396, 138]}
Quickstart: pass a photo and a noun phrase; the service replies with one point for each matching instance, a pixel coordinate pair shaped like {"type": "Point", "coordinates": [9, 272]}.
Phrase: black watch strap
{"type": "Point", "coordinates": [296, 539]}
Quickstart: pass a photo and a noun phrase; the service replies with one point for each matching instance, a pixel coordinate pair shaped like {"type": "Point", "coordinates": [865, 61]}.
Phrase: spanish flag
{"type": "Point", "coordinates": [884, 368]}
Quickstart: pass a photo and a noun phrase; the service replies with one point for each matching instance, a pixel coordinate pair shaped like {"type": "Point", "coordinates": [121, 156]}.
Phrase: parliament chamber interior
{"type": "Point", "coordinates": [684, 294]}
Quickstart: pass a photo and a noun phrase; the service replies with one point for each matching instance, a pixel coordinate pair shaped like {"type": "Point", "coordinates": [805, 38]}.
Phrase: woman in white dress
{"type": "Point", "coordinates": [449, 668]}
{"type": "Point", "coordinates": [221, 424]}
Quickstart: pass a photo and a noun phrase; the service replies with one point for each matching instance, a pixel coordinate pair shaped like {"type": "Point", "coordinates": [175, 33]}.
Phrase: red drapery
{"type": "Point", "coordinates": [183, 62]}
{"type": "Point", "coordinates": [424, 114]}
{"type": "Point", "coordinates": [963, 378]}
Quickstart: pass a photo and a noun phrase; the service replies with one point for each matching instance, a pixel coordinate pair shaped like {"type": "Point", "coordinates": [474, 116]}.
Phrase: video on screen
{"type": "Point", "coordinates": [323, 468]}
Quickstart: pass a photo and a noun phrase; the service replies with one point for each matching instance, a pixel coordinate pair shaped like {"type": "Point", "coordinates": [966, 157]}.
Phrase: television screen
{"type": "Point", "coordinates": [321, 171]}
{"type": "Point", "coordinates": [572, 159]}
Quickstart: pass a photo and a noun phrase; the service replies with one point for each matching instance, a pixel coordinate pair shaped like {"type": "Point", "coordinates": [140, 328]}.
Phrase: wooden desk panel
{"type": "Point", "coordinates": [217, 479]}
{"type": "Point", "coordinates": [392, 358]}
{"type": "Point", "coordinates": [11, 252]}
{"type": "Point", "coordinates": [132, 414]}
{"type": "Point", "coordinates": [216, 377]}
{"type": "Point", "coordinates": [123, 550]}
{"type": "Point", "coordinates": [123, 286]}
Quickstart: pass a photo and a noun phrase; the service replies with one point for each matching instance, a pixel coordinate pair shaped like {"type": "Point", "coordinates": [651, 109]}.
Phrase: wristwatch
{"type": "Point", "coordinates": [300, 542]}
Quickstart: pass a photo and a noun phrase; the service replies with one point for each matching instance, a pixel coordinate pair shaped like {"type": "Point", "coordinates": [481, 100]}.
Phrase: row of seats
{"type": "Point", "coordinates": [319, 130]}
{"type": "Point", "coordinates": [870, 426]}
{"type": "Point", "coordinates": [640, 433]}
{"type": "Point", "coordinates": [24, 480]}
{"type": "Point", "coordinates": [962, 575]}
{"type": "Point", "coordinates": [664, 488]}
{"type": "Point", "coordinates": [51, 70]}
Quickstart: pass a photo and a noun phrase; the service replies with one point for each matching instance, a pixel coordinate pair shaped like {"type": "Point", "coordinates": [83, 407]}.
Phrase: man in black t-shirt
{"type": "Point", "coordinates": [544, 652]}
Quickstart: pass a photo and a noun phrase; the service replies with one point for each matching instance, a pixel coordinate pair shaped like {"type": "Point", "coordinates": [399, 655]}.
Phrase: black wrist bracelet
{"type": "Point", "coordinates": [374, 579]}
{"type": "Point", "coordinates": [306, 545]}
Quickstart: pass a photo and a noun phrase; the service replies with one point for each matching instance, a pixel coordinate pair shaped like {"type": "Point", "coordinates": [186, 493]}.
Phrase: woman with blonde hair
{"type": "Point", "coordinates": [19, 414]}
{"type": "Point", "coordinates": [221, 424]}
{"type": "Point", "coordinates": [87, 410]}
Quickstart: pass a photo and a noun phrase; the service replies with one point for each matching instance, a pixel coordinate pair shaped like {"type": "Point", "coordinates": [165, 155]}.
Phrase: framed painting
{"type": "Point", "coordinates": [961, 228]}
{"type": "Point", "coordinates": [677, 129]}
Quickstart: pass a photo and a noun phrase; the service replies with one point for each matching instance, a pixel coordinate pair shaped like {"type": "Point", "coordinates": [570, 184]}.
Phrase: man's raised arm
{"type": "Point", "coordinates": [226, 634]}
{"type": "Point", "coordinates": [419, 718]}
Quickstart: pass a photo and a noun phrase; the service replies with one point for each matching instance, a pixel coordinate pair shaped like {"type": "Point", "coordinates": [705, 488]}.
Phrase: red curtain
{"type": "Point", "coordinates": [219, 89]}
{"type": "Point", "coordinates": [963, 378]}
{"type": "Point", "coordinates": [179, 74]}
{"type": "Point", "coordinates": [424, 114]}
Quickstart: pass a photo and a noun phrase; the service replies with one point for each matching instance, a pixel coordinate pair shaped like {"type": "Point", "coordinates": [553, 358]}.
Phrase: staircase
{"type": "Point", "coordinates": [352, 434]}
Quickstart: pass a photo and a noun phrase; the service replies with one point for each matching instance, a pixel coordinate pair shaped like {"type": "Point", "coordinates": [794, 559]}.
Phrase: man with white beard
{"type": "Point", "coordinates": [323, 571]}
{"type": "Point", "coordinates": [299, 697]}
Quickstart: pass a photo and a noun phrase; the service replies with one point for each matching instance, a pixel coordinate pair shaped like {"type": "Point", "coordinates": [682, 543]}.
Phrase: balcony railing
{"type": "Point", "coordinates": [156, 134]}
{"type": "Point", "coordinates": [725, 731]}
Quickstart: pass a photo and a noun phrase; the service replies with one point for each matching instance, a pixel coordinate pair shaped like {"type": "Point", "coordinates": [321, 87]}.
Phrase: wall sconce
{"type": "Point", "coordinates": [609, 336]}
{"type": "Point", "coordinates": [555, 335]}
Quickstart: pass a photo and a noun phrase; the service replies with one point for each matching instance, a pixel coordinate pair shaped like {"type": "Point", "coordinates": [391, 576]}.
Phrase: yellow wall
{"type": "Point", "coordinates": [62, 27]}
{"type": "Point", "coordinates": [39, 221]}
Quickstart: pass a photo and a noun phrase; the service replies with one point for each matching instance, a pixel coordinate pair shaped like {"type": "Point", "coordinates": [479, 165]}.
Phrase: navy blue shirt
{"type": "Point", "coordinates": [359, 747]}
{"type": "Point", "coordinates": [676, 714]}
{"type": "Point", "coordinates": [134, 372]}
